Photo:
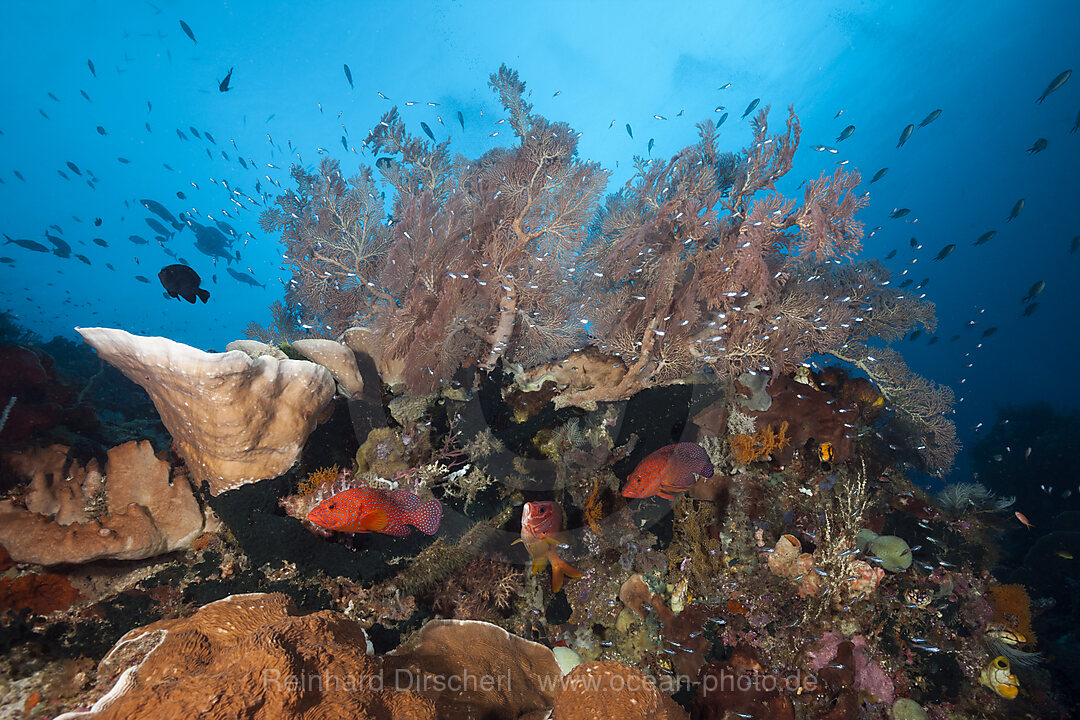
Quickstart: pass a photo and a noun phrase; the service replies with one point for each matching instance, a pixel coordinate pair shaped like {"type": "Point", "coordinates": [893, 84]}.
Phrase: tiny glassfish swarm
{"type": "Point", "coordinates": [695, 266]}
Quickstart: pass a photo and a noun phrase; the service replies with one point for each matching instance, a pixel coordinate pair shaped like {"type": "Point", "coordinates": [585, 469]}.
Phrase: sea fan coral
{"type": "Point", "coordinates": [921, 406]}
{"type": "Point", "coordinates": [697, 263]}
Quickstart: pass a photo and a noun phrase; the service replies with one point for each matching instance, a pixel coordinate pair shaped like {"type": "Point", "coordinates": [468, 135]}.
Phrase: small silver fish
{"type": "Point", "coordinates": [905, 134]}
{"type": "Point", "coordinates": [1056, 83]}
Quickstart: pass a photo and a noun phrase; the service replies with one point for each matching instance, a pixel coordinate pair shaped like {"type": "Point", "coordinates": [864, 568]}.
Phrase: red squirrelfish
{"type": "Point", "coordinates": [541, 523]}
{"type": "Point", "coordinates": [1023, 519]}
{"type": "Point", "coordinates": [669, 470]}
{"type": "Point", "coordinates": [390, 512]}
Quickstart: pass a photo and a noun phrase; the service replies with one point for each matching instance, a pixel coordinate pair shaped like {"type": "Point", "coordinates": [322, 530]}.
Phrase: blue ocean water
{"type": "Point", "coordinates": [597, 66]}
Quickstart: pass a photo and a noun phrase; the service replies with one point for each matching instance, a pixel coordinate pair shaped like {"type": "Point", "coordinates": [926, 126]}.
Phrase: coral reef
{"type": "Point", "coordinates": [137, 508]}
{"type": "Point", "coordinates": [922, 406]}
{"type": "Point", "coordinates": [336, 358]}
{"type": "Point", "coordinates": [740, 687]}
{"type": "Point", "coordinates": [787, 560]}
{"type": "Point", "coordinates": [483, 589]}
{"type": "Point", "coordinates": [254, 349]}
{"type": "Point", "coordinates": [760, 445]}
{"type": "Point", "coordinates": [34, 398]}
{"type": "Point", "coordinates": [234, 420]}
{"type": "Point", "coordinates": [695, 264]}
{"type": "Point", "coordinates": [44, 593]}
{"type": "Point", "coordinates": [482, 235]}
{"type": "Point", "coordinates": [866, 674]}
{"type": "Point", "coordinates": [613, 691]}
{"type": "Point", "coordinates": [963, 498]}
{"type": "Point", "coordinates": [505, 340]}
{"type": "Point", "coordinates": [524, 675]}
{"type": "Point", "coordinates": [250, 656]}
{"type": "Point", "coordinates": [892, 551]}
{"type": "Point", "coordinates": [255, 656]}
{"type": "Point", "coordinates": [1012, 608]}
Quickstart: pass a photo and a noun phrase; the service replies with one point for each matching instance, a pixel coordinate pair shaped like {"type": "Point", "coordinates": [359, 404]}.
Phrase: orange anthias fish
{"type": "Point", "coordinates": [669, 470]}
{"type": "Point", "coordinates": [390, 512]}
{"type": "Point", "coordinates": [1023, 519]}
{"type": "Point", "coordinates": [541, 523]}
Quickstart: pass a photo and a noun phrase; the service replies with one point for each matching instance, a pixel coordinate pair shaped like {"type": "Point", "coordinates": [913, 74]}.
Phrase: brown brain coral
{"type": "Point", "coordinates": [611, 691]}
{"type": "Point", "coordinates": [250, 656]}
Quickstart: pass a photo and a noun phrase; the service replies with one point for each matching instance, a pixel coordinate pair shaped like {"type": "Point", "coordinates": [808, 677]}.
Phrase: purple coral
{"type": "Point", "coordinates": [869, 675]}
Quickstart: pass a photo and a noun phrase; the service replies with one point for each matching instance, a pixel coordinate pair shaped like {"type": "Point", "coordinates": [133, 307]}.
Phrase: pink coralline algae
{"type": "Point", "coordinates": [866, 578]}
{"type": "Point", "coordinates": [869, 675]}
{"type": "Point", "coordinates": [788, 560]}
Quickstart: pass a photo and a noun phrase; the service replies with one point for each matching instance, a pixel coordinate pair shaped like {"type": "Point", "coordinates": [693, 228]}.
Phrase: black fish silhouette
{"type": "Point", "coordinates": [244, 278]}
{"type": "Point", "coordinates": [28, 244]}
{"type": "Point", "coordinates": [1017, 209]}
{"type": "Point", "coordinates": [180, 281]}
{"type": "Point", "coordinates": [187, 31]}
{"type": "Point", "coordinates": [946, 251]}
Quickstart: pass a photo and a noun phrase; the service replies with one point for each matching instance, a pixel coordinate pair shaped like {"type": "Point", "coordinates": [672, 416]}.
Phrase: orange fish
{"type": "Point", "coordinates": [390, 512]}
{"type": "Point", "coordinates": [541, 523]}
{"type": "Point", "coordinates": [1023, 519]}
{"type": "Point", "coordinates": [669, 470]}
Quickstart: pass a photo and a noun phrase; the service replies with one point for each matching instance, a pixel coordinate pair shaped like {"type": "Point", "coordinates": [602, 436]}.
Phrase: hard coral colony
{"type": "Point", "coordinates": [499, 335]}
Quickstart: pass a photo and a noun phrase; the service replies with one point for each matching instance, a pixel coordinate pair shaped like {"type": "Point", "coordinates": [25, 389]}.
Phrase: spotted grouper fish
{"type": "Point", "coordinates": [669, 470]}
{"type": "Point", "coordinates": [391, 512]}
{"type": "Point", "coordinates": [541, 524]}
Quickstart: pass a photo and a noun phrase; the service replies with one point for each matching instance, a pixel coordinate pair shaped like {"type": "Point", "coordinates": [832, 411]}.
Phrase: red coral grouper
{"type": "Point", "coordinates": [541, 523]}
{"type": "Point", "coordinates": [669, 470]}
{"type": "Point", "coordinates": [390, 512]}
